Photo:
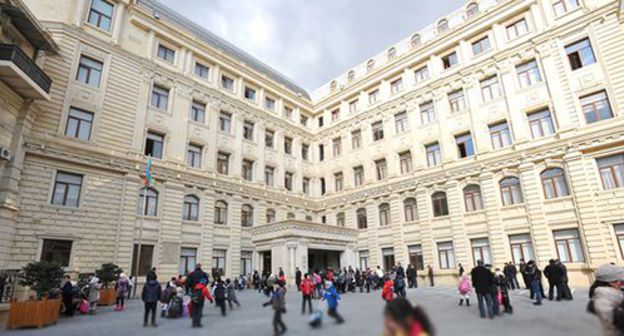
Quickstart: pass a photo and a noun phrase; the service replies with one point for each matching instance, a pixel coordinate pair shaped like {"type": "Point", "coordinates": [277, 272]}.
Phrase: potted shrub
{"type": "Point", "coordinates": [107, 275]}
{"type": "Point", "coordinates": [41, 277]}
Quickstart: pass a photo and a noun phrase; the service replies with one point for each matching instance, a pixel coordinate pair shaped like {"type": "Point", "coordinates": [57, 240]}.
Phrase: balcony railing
{"type": "Point", "coordinates": [12, 53]}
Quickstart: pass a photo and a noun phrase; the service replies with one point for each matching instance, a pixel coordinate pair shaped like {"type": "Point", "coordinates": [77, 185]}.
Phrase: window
{"type": "Point", "coordinates": [449, 60]}
{"type": "Point", "coordinates": [288, 113]}
{"type": "Point", "coordinates": [360, 215]}
{"type": "Point", "coordinates": [320, 121]}
{"type": "Point", "coordinates": [246, 262]}
{"type": "Point", "coordinates": [202, 71]}
{"type": "Point", "coordinates": [434, 155]}
{"type": "Point", "coordinates": [305, 151]}
{"type": "Point", "coordinates": [225, 122]}
{"type": "Point", "coordinates": [56, 251]}
{"type": "Point", "coordinates": [481, 46]}
{"type": "Point", "coordinates": [358, 176]}
{"type": "Point", "coordinates": [356, 139]}
{"type": "Point", "coordinates": [384, 214]}
{"type": "Point", "coordinates": [305, 186]}
{"type": "Point", "coordinates": [303, 120]}
{"type": "Point", "coordinates": [340, 219]}
{"type": "Point", "coordinates": [410, 210]}
{"type": "Point", "coordinates": [220, 215]}
{"type": "Point", "coordinates": [517, 29]}
{"type": "Point", "coordinates": [382, 169]}
{"type": "Point", "coordinates": [611, 170]}
{"type": "Point", "coordinates": [421, 74]}
{"type": "Point", "coordinates": [148, 202]}
{"type": "Point", "coordinates": [442, 25]}
{"type": "Point", "coordinates": [338, 181]}
{"type": "Point", "coordinates": [247, 170]}
{"type": "Point", "coordinates": [405, 162]}
{"type": "Point", "coordinates": [457, 101]}
{"type": "Point", "coordinates": [353, 107]}
{"type": "Point", "coordinates": [481, 250]}
{"type": "Point", "coordinates": [288, 145]}
{"type": "Point", "coordinates": [335, 114]}
{"type": "Point", "coordinates": [101, 14]}
{"type": "Point", "coordinates": [248, 130]}
{"type": "Point", "coordinates": [247, 215]}
{"type": "Point", "coordinates": [370, 65]}
{"type": "Point", "coordinates": [67, 188]}
{"type": "Point", "coordinates": [79, 124]}
{"type": "Point", "coordinates": [223, 163]}
{"type": "Point", "coordinates": [528, 74]}
{"type": "Point", "coordinates": [290, 215]}
{"type": "Point", "coordinates": [227, 83]}
{"type": "Point", "coordinates": [145, 258]}
{"type": "Point", "coordinates": [166, 54]}
{"type": "Point", "coordinates": [190, 208]}
{"type": "Point", "coordinates": [472, 9]}
{"type": "Point", "coordinates": [268, 138]}
{"type": "Point", "coordinates": [427, 113]}
{"type": "Point", "coordinates": [511, 191]}
{"type": "Point", "coordinates": [472, 198]}
{"type": "Point", "coordinates": [392, 53]}
{"type": "Point", "coordinates": [194, 156]}
{"type": "Point", "coordinates": [568, 246]}
{"type": "Point", "coordinates": [490, 89]}
{"type": "Point", "coordinates": [554, 183]}
{"type": "Point", "coordinates": [521, 247]}
{"type": "Point", "coordinates": [416, 40]}
{"type": "Point", "coordinates": [415, 255]}
{"type": "Point", "coordinates": [160, 97]}
{"type": "Point", "coordinates": [400, 122]}
{"type": "Point", "coordinates": [596, 107]}
{"type": "Point", "coordinates": [396, 86]}
{"type": "Point", "coordinates": [619, 234]}
{"type": "Point", "coordinates": [373, 96]}
{"type": "Point", "coordinates": [351, 76]}
{"type": "Point", "coordinates": [378, 132]}
{"type": "Point", "coordinates": [563, 6]}
{"type": "Point", "coordinates": [288, 180]}
{"type": "Point", "coordinates": [218, 262]}
{"type": "Point", "coordinates": [198, 112]}
{"type": "Point", "coordinates": [446, 255]}
{"type": "Point", "coordinates": [89, 71]}
{"type": "Point", "coordinates": [465, 147]}
{"type": "Point", "coordinates": [270, 216]}
{"type": "Point", "coordinates": [269, 103]}
{"type": "Point", "coordinates": [154, 143]}
{"type": "Point", "coordinates": [188, 260]}
{"type": "Point", "coordinates": [250, 94]}
{"type": "Point", "coordinates": [323, 187]}
{"type": "Point", "coordinates": [541, 124]}
{"type": "Point", "coordinates": [580, 54]}
{"type": "Point", "coordinates": [269, 174]}
{"type": "Point", "coordinates": [321, 149]}
{"type": "Point", "coordinates": [500, 136]}
{"type": "Point", "coordinates": [388, 258]}
{"type": "Point", "coordinates": [440, 205]}
{"type": "Point", "coordinates": [337, 146]}
{"type": "Point", "coordinates": [364, 259]}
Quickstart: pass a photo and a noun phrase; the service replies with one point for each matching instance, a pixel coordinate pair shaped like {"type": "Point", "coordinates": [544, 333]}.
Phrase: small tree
{"type": "Point", "coordinates": [41, 276]}
{"type": "Point", "coordinates": [108, 273]}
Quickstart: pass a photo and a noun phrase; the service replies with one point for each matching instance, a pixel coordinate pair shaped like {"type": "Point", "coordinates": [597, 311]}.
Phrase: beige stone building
{"type": "Point", "coordinates": [495, 133]}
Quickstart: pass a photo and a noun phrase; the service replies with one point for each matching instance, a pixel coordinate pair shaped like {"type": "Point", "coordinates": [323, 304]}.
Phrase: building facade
{"type": "Point", "coordinates": [496, 133]}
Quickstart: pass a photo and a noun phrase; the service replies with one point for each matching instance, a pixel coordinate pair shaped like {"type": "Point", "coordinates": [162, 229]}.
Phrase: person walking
{"type": "Point", "coordinates": [387, 292]}
{"type": "Point", "coordinates": [535, 279]}
{"type": "Point", "coordinates": [93, 293]}
{"type": "Point", "coordinates": [464, 290]}
{"type": "Point", "coordinates": [122, 287]}
{"type": "Point", "coordinates": [298, 278]}
{"type": "Point", "coordinates": [430, 274]}
{"type": "Point", "coordinates": [401, 319]}
{"type": "Point", "coordinates": [231, 294]}
{"type": "Point", "coordinates": [150, 295]}
{"type": "Point", "coordinates": [332, 297]}
{"type": "Point", "coordinates": [554, 274]}
{"type": "Point", "coordinates": [199, 295]}
{"type": "Point", "coordinates": [220, 293]}
{"type": "Point", "coordinates": [278, 302]}
{"type": "Point", "coordinates": [67, 292]}
{"type": "Point", "coordinates": [196, 277]}
{"type": "Point", "coordinates": [503, 290]}
{"type": "Point", "coordinates": [307, 289]}
{"type": "Point", "coordinates": [483, 281]}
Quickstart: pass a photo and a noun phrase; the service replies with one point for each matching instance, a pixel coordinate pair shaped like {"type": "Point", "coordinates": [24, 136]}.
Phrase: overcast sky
{"type": "Point", "coordinates": [313, 41]}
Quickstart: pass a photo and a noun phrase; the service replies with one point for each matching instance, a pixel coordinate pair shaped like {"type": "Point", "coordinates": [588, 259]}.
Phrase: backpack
{"type": "Point", "coordinates": [197, 296]}
{"type": "Point", "coordinates": [219, 292]}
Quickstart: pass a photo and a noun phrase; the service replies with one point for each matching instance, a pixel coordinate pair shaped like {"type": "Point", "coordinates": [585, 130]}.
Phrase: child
{"type": "Point", "coordinates": [464, 290]}
{"type": "Point", "coordinates": [219, 291]}
{"type": "Point", "coordinates": [122, 287]}
{"type": "Point", "coordinates": [278, 301]}
{"type": "Point", "coordinates": [198, 296]}
{"type": "Point", "coordinates": [387, 292]}
{"type": "Point", "coordinates": [231, 293]}
{"type": "Point", "coordinates": [501, 283]}
{"type": "Point", "coordinates": [332, 297]}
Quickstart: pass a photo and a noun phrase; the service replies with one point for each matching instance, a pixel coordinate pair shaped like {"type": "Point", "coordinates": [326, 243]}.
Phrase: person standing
{"type": "Point", "coordinates": [502, 284]}
{"type": "Point", "coordinates": [464, 290]}
{"type": "Point", "coordinates": [606, 299]}
{"type": "Point", "coordinates": [67, 292]}
{"type": "Point", "coordinates": [93, 293]}
{"type": "Point", "coordinates": [307, 289]}
{"type": "Point", "coordinates": [199, 295]}
{"type": "Point", "coordinates": [196, 277]}
{"type": "Point", "coordinates": [483, 281]}
{"type": "Point", "coordinates": [535, 279]}
{"type": "Point", "coordinates": [510, 273]}
{"type": "Point", "coordinates": [220, 295]}
{"type": "Point", "coordinates": [525, 277]}
{"type": "Point", "coordinates": [122, 286]}
{"type": "Point", "coordinates": [298, 278]}
{"type": "Point", "coordinates": [332, 297]}
{"type": "Point", "coordinates": [430, 274]}
{"type": "Point", "coordinates": [411, 276]}
{"type": "Point", "coordinates": [461, 269]}
{"type": "Point", "coordinates": [150, 295]}
{"type": "Point", "coordinates": [387, 292]}
{"type": "Point", "coordinates": [278, 302]}
{"type": "Point", "coordinates": [566, 293]}
{"type": "Point", "coordinates": [554, 274]}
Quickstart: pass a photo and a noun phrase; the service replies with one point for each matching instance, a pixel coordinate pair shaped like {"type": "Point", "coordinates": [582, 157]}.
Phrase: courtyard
{"type": "Point", "coordinates": [362, 312]}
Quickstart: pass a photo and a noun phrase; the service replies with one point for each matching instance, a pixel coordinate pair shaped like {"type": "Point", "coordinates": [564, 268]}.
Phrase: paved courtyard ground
{"type": "Point", "coordinates": [362, 312]}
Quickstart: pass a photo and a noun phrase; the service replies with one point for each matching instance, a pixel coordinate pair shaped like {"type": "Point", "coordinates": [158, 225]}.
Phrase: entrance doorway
{"type": "Point", "coordinates": [266, 262]}
{"type": "Point", "coordinates": [319, 260]}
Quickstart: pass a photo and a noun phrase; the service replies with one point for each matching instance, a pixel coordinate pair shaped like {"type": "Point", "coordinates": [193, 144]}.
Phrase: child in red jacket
{"type": "Point", "coordinates": [198, 296]}
{"type": "Point", "coordinates": [387, 293]}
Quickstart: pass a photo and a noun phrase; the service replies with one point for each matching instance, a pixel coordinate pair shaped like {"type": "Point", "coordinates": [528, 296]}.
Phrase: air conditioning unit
{"type": "Point", "coordinates": [5, 154]}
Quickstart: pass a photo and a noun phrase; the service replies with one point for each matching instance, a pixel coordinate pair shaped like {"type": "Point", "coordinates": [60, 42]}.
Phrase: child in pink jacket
{"type": "Point", "coordinates": [464, 288]}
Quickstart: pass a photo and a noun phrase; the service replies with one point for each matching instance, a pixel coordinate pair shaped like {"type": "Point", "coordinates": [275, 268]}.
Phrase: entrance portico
{"type": "Point", "coordinates": [292, 243]}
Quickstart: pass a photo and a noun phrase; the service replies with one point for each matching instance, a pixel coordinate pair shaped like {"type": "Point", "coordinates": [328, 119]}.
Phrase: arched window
{"type": "Point", "coordinates": [472, 9]}
{"type": "Point", "coordinates": [190, 208]}
{"type": "Point", "coordinates": [340, 219]}
{"type": "Point", "coordinates": [332, 86]}
{"type": "Point", "coordinates": [440, 205]}
{"type": "Point", "coordinates": [148, 202]}
{"type": "Point", "coordinates": [391, 53]}
{"type": "Point", "coordinates": [511, 192]}
{"type": "Point", "coordinates": [416, 40]}
{"type": "Point", "coordinates": [410, 209]}
{"type": "Point", "coordinates": [554, 183]}
{"type": "Point", "coordinates": [360, 215]}
{"type": "Point", "coordinates": [370, 65]}
{"type": "Point", "coordinates": [247, 215]}
{"type": "Point", "coordinates": [290, 215]}
{"type": "Point", "coordinates": [351, 76]}
{"type": "Point", "coordinates": [443, 25]}
{"type": "Point", "coordinates": [472, 198]}
{"type": "Point", "coordinates": [384, 214]}
{"type": "Point", "coordinates": [270, 216]}
{"type": "Point", "coordinates": [220, 215]}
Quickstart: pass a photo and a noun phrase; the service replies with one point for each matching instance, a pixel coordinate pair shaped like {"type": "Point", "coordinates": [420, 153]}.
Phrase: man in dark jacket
{"type": "Point", "coordinates": [554, 274]}
{"type": "Point", "coordinates": [510, 272]}
{"type": "Point", "coordinates": [430, 274]}
{"type": "Point", "coordinates": [525, 277]}
{"type": "Point", "coordinates": [196, 277]}
{"type": "Point", "coordinates": [150, 295]}
{"type": "Point", "coordinates": [483, 281]}
{"type": "Point", "coordinates": [535, 278]}
{"type": "Point", "coordinates": [298, 278]}
{"type": "Point", "coordinates": [411, 276]}
{"type": "Point", "coordinates": [566, 293]}
{"type": "Point", "coordinates": [68, 296]}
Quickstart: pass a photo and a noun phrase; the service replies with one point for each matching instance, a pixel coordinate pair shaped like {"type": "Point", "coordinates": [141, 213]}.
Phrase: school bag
{"type": "Point", "coordinates": [84, 307]}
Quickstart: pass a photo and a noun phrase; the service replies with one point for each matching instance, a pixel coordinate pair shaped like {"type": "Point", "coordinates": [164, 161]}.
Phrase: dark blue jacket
{"type": "Point", "coordinates": [151, 291]}
{"type": "Point", "coordinates": [332, 297]}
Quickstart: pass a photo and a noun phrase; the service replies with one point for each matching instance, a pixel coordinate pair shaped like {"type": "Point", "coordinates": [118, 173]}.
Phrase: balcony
{"type": "Point", "coordinates": [21, 73]}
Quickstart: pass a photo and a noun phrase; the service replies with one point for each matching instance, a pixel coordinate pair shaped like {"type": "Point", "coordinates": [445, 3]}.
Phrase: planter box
{"type": "Point", "coordinates": [108, 297]}
{"type": "Point", "coordinates": [33, 313]}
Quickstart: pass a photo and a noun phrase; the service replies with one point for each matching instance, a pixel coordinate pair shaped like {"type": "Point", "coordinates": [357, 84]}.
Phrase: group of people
{"type": "Point", "coordinates": [84, 296]}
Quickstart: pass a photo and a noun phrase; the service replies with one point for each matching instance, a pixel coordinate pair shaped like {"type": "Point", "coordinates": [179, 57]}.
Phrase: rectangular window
{"type": "Point", "coordinates": [364, 260]}
{"type": "Point", "coordinates": [145, 260]}
{"type": "Point", "coordinates": [481, 250]}
{"type": "Point", "coordinates": [396, 86]}
{"type": "Point", "coordinates": [225, 122]}
{"type": "Point", "coordinates": [160, 97]}
{"type": "Point", "coordinates": [101, 14]}
{"type": "Point", "coordinates": [56, 251]}
{"type": "Point", "coordinates": [288, 145]}
{"type": "Point", "coordinates": [227, 83]}
{"type": "Point", "coordinates": [457, 101]}
{"type": "Point", "coordinates": [528, 74]}
{"type": "Point", "coordinates": [500, 136]}
{"type": "Point", "coordinates": [305, 185]}
{"type": "Point", "coordinates": [388, 258]}
{"type": "Point", "coordinates": [247, 170]}
{"type": "Point", "coordinates": [619, 234]}
{"type": "Point", "coordinates": [194, 156]}
{"type": "Point", "coordinates": [481, 46]}
{"type": "Point", "coordinates": [320, 121]}
{"type": "Point", "coordinates": [269, 175]}
{"type": "Point", "coordinates": [337, 146]}
{"type": "Point", "coordinates": [568, 246]}
{"type": "Point", "coordinates": [382, 169]}
{"type": "Point", "coordinates": [541, 124]}
{"type": "Point", "coordinates": [288, 113]}
{"type": "Point", "coordinates": [79, 124]}
{"type": "Point", "coordinates": [202, 71]}
{"type": "Point", "coordinates": [427, 113]}
{"type": "Point", "coordinates": [166, 54]}
{"type": "Point", "coordinates": [303, 120]}
{"type": "Point", "coordinates": [356, 139]}
{"type": "Point", "coordinates": [580, 54]}
{"type": "Point", "coordinates": [521, 247]}
{"type": "Point", "coordinates": [421, 74]}
{"type": "Point", "coordinates": [188, 260]}
{"type": "Point", "coordinates": [323, 189]}
{"type": "Point", "coordinates": [405, 160]}
{"type": "Point", "coordinates": [400, 122]}
{"type": "Point", "coordinates": [248, 130]}
{"type": "Point", "coordinates": [223, 163]}
{"type": "Point", "coordinates": [596, 107]}
{"type": "Point", "coordinates": [446, 255]}
{"type": "Point", "coordinates": [378, 131]}
{"type": "Point", "coordinates": [611, 170]}
{"type": "Point", "coordinates": [218, 261]}
{"type": "Point", "coordinates": [89, 71]}
{"type": "Point", "coordinates": [517, 29]}
{"type": "Point", "coordinates": [338, 181]}
{"type": "Point", "coordinates": [373, 96]}
{"type": "Point", "coordinates": [449, 60]}
{"type": "Point", "coordinates": [434, 155]}
{"type": "Point", "coordinates": [563, 6]}
{"type": "Point", "coordinates": [246, 263]}
{"type": "Point", "coordinates": [67, 188]}
{"type": "Point", "coordinates": [321, 150]}
{"type": "Point", "coordinates": [358, 175]}
{"type": "Point", "coordinates": [416, 256]}
{"type": "Point", "coordinates": [335, 114]}
{"type": "Point", "coordinates": [490, 89]}
{"type": "Point", "coordinates": [353, 106]}
{"type": "Point", "coordinates": [465, 147]}
{"type": "Point", "coordinates": [269, 103]}
{"type": "Point", "coordinates": [288, 181]}
{"type": "Point", "coordinates": [250, 94]}
{"type": "Point", "coordinates": [198, 112]}
{"type": "Point", "coordinates": [269, 135]}
{"type": "Point", "coordinates": [305, 151]}
{"type": "Point", "coordinates": [154, 145]}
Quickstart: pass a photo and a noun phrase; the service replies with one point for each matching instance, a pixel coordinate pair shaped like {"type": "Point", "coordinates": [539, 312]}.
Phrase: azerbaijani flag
{"type": "Point", "coordinates": [148, 180]}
